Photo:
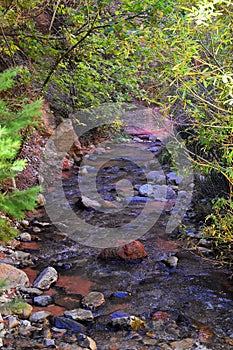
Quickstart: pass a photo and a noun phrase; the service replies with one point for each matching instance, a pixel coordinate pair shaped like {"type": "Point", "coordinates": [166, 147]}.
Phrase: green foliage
{"type": "Point", "coordinates": [194, 78]}
{"type": "Point", "coordinates": [13, 203]}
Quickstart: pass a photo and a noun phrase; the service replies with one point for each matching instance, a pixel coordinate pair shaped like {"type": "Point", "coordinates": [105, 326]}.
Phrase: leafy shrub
{"type": "Point", "coordinates": [13, 203]}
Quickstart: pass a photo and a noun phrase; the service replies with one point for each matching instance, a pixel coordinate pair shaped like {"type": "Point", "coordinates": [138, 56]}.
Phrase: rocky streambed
{"type": "Point", "coordinates": [149, 294]}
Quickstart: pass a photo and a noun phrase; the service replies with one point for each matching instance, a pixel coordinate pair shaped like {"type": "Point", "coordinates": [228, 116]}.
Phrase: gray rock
{"type": "Point", "coordinates": [173, 178]}
{"type": "Point", "coordinates": [93, 300]}
{"type": "Point", "coordinates": [67, 323]}
{"type": "Point", "coordinates": [25, 237]}
{"type": "Point", "coordinates": [125, 322]}
{"type": "Point", "coordinates": [90, 203]}
{"type": "Point", "coordinates": [80, 315]}
{"type": "Point", "coordinates": [14, 277]}
{"type": "Point", "coordinates": [31, 291]}
{"type": "Point", "coordinates": [39, 316]}
{"type": "Point", "coordinates": [22, 257]}
{"type": "Point", "coordinates": [43, 300]}
{"type": "Point", "coordinates": [154, 174]}
{"type": "Point", "coordinates": [146, 190]}
{"type": "Point", "coordinates": [47, 277]}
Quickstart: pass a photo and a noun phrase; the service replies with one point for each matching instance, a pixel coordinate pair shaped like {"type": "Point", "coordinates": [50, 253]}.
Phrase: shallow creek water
{"type": "Point", "coordinates": [197, 295]}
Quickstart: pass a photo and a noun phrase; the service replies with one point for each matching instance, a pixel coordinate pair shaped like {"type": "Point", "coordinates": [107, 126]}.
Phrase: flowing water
{"type": "Point", "coordinates": [196, 294]}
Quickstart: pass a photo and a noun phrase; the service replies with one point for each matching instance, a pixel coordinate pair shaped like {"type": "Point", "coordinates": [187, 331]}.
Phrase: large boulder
{"type": "Point", "coordinates": [13, 276]}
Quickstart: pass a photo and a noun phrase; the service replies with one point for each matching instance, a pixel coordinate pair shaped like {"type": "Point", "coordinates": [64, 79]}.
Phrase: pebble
{"type": "Point", "coordinates": [49, 342]}
{"type": "Point", "coordinates": [173, 178]}
{"type": "Point", "coordinates": [25, 223]}
{"type": "Point", "coordinates": [80, 315]}
{"type": "Point", "coordinates": [120, 294]}
{"type": "Point", "coordinates": [43, 300]}
{"type": "Point", "coordinates": [146, 190]}
{"type": "Point", "coordinates": [125, 322]}
{"type": "Point", "coordinates": [12, 322]}
{"type": "Point", "coordinates": [67, 323]}
{"type": "Point", "coordinates": [171, 261]}
{"type": "Point", "coordinates": [90, 203]}
{"type": "Point", "coordinates": [93, 300]}
{"type": "Point", "coordinates": [25, 237]}
{"type": "Point", "coordinates": [39, 316]}
{"type": "Point", "coordinates": [47, 277]}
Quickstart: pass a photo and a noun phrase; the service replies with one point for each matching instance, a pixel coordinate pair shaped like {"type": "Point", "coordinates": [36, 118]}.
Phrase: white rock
{"type": "Point", "coordinates": [171, 261]}
{"type": "Point", "coordinates": [79, 315]}
{"type": "Point", "coordinates": [25, 237]}
{"type": "Point", "coordinates": [90, 203]}
{"type": "Point", "coordinates": [47, 277]}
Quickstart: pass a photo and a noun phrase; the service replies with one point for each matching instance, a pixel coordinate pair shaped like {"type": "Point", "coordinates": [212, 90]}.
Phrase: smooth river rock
{"type": "Point", "coordinates": [47, 277]}
{"type": "Point", "coordinates": [13, 276]}
{"type": "Point", "coordinates": [80, 315]}
{"type": "Point", "coordinates": [93, 300]}
{"type": "Point", "coordinates": [132, 250]}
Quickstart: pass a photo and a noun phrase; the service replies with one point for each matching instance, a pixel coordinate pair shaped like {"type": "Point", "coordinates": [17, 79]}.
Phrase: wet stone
{"type": "Point", "coordinates": [47, 277]}
{"type": "Point", "coordinates": [25, 237]}
{"type": "Point", "coordinates": [80, 315]}
{"type": "Point", "coordinates": [39, 316]}
{"type": "Point", "coordinates": [120, 294]}
{"type": "Point", "coordinates": [43, 300]}
{"type": "Point", "coordinates": [171, 261]}
{"type": "Point", "coordinates": [66, 323]}
{"type": "Point", "coordinates": [49, 342]}
{"type": "Point", "coordinates": [93, 300]}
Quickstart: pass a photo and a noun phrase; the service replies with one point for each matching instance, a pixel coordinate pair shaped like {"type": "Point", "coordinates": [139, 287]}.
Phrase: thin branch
{"type": "Point", "coordinates": [60, 59]}
{"type": "Point", "coordinates": [8, 45]}
{"type": "Point", "coordinates": [54, 14]}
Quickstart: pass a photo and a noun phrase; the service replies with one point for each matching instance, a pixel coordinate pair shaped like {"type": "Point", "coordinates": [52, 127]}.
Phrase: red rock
{"type": "Point", "coordinates": [132, 250]}
{"type": "Point", "coordinates": [66, 164]}
{"type": "Point", "coordinates": [161, 315]}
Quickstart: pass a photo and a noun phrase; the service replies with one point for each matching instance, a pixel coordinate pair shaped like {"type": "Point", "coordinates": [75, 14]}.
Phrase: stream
{"type": "Point", "coordinates": [190, 303]}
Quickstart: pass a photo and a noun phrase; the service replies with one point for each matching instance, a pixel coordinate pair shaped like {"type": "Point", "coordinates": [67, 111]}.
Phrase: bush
{"type": "Point", "coordinates": [13, 118]}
